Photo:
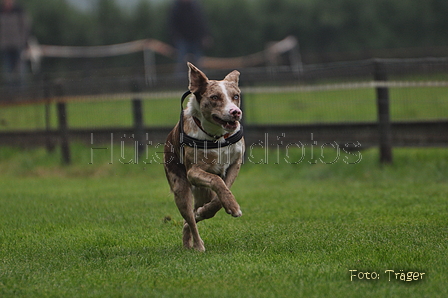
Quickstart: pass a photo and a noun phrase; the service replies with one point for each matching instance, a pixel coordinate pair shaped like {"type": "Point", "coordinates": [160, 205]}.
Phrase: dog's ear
{"type": "Point", "coordinates": [198, 80]}
{"type": "Point", "coordinates": [233, 76]}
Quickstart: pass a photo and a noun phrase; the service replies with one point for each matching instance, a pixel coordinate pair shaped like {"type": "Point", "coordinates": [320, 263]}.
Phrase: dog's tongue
{"type": "Point", "coordinates": [231, 125]}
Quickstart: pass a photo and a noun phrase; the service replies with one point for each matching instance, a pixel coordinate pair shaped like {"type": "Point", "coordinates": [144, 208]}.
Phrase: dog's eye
{"type": "Point", "coordinates": [214, 97]}
{"type": "Point", "coordinates": [236, 97]}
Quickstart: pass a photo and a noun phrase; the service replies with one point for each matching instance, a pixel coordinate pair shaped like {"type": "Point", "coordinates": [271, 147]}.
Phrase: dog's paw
{"type": "Point", "coordinates": [198, 214]}
{"type": "Point", "coordinates": [199, 246]}
{"type": "Point", "coordinates": [232, 208]}
{"type": "Point", "coordinates": [235, 213]}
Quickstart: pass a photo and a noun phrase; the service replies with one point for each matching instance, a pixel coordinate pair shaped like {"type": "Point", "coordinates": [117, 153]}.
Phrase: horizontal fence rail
{"type": "Point", "coordinates": [170, 94]}
{"type": "Point", "coordinates": [315, 106]}
{"type": "Point", "coordinates": [404, 134]}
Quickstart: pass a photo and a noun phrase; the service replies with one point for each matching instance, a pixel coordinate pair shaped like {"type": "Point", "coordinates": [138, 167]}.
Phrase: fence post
{"type": "Point", "coordinates": [49, 143]}
{"type": "Point", "coordinates": [149, 59]}
{"type": "Point", "coordinates": [137, 111]}
{"type": "Point", "coordinates": [382, 101]}
{"type": "Point", "coordinates": [63, 128]}
{"type": "Point", "coordinates": [138, 123]}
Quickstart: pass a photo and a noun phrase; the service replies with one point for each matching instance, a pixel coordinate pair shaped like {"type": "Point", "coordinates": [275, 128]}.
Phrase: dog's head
{"type": "Point", "coordinates": [217, 101]}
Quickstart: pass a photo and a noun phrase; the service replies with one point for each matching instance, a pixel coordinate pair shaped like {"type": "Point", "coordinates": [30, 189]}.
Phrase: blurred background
{"type": "Point", "coordinates": [339, 30]}
{"type": "Point", "coordinates": [327, 31]}
{"type": "Point", "coordinates": [326, 63]}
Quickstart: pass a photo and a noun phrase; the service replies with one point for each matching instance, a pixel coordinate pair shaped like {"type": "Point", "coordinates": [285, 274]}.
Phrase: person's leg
{"type": "Point", "coordinates": [11, 65]}
{"type": "Point", "coordinates": [182, 51]}
{"type": "Point", "coordinates": [196, 52]}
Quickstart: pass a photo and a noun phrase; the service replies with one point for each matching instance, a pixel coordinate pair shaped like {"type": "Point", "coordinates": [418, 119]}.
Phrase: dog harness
{"type": "Point", "coordinates": [205, 144]}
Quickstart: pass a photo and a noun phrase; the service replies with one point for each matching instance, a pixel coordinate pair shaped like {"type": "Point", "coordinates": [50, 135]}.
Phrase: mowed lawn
{"type": "Point", "coordinates": [112, 230]}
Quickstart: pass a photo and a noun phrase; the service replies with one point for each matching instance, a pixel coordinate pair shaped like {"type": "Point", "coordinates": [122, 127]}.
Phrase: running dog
{"type": "Point", "coordinates": [204, 152]}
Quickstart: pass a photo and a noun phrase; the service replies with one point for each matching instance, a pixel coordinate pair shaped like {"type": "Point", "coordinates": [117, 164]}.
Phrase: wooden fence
{"type": "Point", "coordinates": [382, 133]}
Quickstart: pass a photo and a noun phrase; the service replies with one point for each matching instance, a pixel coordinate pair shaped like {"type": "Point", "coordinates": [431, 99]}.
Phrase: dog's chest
{"type": "Point", "coordinates": [218, 160]}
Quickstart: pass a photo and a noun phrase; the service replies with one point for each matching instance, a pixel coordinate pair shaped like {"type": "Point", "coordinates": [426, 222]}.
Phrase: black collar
{"type": "Point", "coordinates": [204, 144]}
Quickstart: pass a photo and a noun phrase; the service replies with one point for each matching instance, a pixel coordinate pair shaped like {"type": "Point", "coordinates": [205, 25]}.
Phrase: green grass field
{"type": "Point", "coordinates": [407, 104]}
{"type": "Point", "coordinates": [112, 230]}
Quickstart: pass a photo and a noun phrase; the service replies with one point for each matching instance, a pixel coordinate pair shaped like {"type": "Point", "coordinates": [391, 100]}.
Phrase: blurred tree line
{"type": "Point", "coordinates": [241, 27]}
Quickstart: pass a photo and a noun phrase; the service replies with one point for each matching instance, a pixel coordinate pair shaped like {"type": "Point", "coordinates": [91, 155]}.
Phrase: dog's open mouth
{"type": "Point", "coordinates": [227, 125]}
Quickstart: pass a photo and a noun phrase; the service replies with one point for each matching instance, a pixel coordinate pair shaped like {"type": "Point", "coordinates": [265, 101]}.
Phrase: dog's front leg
{"type": "Point", "coordinates": [207, 203]}
{"type": "Point", "coordinates": [210, 209]}
{"type": "Point", "coordinates": [191, 238]}
{"type": "Point", "coordinates": [232, 172]}
{"type": "Point", "coordinates": [183, 197]}
{"type": "Point", "coordinates": [201, 178]}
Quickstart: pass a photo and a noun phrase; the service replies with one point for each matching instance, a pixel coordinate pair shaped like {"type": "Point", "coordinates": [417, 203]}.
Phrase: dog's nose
{"type": "Point", "coordinates": [235, 112]}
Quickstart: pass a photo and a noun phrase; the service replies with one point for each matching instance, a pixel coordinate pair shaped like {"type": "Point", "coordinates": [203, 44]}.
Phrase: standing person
{"type": "Point", "coordinates": [14, 33]}
{"type": "Point", "coordinates": [189, 32]}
